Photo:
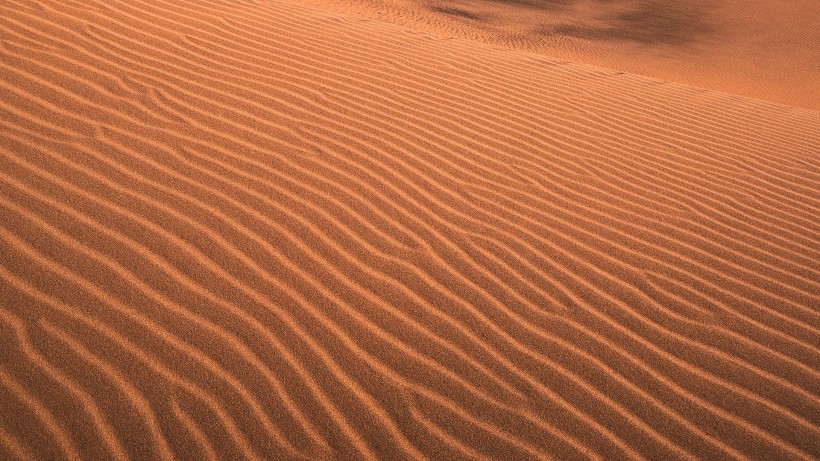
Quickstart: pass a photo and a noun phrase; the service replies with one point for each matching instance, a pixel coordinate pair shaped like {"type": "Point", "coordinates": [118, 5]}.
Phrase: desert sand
{"type": "Point", "coordinates": [755, 48]}
{"type": "Point", "coordinates": [372, 229]}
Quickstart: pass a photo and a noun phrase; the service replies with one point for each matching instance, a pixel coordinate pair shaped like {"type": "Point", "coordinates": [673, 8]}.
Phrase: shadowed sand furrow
{"type": "Point", "coordinates": [275, 231]}
{"type": "Point", "coordinates": [14, 449]}
{"type": "Point", "coordinates": [102, 427]}
{"type": "Point", "coordinates": [207, 450]}
{"type": "Point", "coordinates": [63, 446]}
{"type": "Point", "coordinates": [138, 400]}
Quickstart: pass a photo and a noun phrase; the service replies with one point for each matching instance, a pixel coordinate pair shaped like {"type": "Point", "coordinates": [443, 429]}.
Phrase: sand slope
{"type": "Point", "coordinates": [235, 229]}
{"type": "Point", "coordinates": [755, 48]}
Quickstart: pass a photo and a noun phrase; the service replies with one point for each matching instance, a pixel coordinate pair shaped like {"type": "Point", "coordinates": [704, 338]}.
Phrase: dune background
{"type": "Point", "coordinates": [339, 230]}
{"type": "Point", "coordinates": [754, 48]}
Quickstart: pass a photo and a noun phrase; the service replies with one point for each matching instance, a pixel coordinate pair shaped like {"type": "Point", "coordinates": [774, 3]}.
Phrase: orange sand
{"type": "Point", "coordinates": [289, 230]}
{"type": "Point", "coordinates": [755, 48]}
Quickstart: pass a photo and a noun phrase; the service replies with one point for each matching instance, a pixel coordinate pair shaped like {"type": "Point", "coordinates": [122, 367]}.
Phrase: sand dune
{"type": "Point", "coordinates": [271, 230]}
{"type": "Point", "coordinates": [755, 48]}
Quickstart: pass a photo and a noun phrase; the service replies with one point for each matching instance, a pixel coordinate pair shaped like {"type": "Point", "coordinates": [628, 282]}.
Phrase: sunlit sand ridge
{"type": "Point", "coordinates": [271, 230]}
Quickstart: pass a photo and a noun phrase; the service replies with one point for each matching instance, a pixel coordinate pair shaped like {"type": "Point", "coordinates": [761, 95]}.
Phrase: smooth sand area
{"type": "Point", "coordinates": [302, 230]}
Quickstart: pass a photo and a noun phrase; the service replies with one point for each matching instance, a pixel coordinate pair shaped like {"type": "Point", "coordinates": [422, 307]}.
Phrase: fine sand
{"type": "Point", "coordinates": [235, 229]}
{"type": "Point", "coordinates": [761, 49]}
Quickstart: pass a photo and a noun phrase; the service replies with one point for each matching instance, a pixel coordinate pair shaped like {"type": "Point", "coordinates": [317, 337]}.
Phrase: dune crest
{"type": "Point", "coordinates": [268, 230]}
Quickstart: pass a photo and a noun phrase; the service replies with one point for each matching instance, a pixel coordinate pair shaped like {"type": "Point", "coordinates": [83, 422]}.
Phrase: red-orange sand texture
{"type": "Point", "coordinates": [357, 229]}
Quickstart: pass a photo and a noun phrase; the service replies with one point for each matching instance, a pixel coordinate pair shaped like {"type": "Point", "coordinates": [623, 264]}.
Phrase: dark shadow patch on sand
{"type": "Point", "coordinates": [546, 5]}
{"type": "Point", "coordinates": [651, 22]}
{"type": "Point", "coordinates": [452, 11]}
{"type": "Point", "coordinates": [662, 22]}
{"type": "Point", "coordinates": [538, 5]}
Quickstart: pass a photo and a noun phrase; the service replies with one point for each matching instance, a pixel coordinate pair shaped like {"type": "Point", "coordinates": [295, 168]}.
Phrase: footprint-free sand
{"type": "Point", "coordinates": [286, 230]}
